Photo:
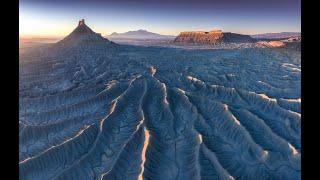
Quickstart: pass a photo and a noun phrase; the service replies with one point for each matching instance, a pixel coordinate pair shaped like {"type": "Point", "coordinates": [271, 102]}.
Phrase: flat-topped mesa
{"type": "Point", "coordinates": [201, 33]}
{"type": "Point", "coordinates": [82, 33]}
{"type": "Point", "coordinates": [212, 37]}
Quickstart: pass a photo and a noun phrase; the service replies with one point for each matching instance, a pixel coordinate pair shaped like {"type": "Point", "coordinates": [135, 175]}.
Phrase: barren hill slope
{"type": "Point", "coordinates": [105, 111]}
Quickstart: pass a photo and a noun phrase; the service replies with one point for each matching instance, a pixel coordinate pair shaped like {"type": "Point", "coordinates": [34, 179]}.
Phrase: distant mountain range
{"type": "Point", "coordinates": [139, 34]}
{"type": "Point", "coordinates": [144, 34]}
{"type": "Point", "coordinates": [276, 35]}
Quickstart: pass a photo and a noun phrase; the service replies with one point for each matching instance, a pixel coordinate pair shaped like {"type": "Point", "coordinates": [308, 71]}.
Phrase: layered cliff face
{"type": "Point", "coordinates": [212, 37]}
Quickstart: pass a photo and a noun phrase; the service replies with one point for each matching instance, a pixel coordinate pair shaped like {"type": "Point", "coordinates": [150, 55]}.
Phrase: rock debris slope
{"type": "Point", "coordinates": [92, 109]}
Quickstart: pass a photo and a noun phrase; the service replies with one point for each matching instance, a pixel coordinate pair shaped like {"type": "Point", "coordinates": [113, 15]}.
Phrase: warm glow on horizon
{"type": "Point", "coordinates": [30, 27]}
{"type": "Point", "coordinates": [36, 27]}
{"type": "Point", "coordinates": [59, 18]}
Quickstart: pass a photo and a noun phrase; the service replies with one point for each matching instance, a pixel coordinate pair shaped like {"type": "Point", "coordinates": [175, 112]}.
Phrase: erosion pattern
{"type": "Point", "coordinates": [92, 109]}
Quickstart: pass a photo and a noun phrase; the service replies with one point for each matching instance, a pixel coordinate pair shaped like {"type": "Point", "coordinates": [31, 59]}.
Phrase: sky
{"type": "Point", "coordinates": [57, 18]}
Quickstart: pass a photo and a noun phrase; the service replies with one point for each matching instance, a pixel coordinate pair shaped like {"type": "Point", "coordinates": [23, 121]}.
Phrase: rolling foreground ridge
{"type": "Point", "coordinates": [99, 110]}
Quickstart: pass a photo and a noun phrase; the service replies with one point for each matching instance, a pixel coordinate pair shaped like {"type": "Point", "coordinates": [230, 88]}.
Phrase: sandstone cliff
{"type": "Point", "coordinates": [212, 37]}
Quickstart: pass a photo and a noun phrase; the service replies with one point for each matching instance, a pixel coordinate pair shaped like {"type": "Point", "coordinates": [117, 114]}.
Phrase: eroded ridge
{"type": "Point", "coordinates": [97, 113]}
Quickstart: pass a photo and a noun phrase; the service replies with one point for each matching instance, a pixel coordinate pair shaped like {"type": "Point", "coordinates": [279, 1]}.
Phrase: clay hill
{"type": "Point", "coordinates": [83, 34]}
{"type": "Point", "coordinates": [212, 37]}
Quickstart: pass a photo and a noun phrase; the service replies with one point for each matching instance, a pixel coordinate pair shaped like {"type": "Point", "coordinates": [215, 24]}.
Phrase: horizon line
{"type": "Point", "coordinates": [30, 36]}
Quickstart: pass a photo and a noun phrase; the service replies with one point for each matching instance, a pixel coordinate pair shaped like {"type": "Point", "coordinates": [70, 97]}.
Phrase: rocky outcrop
{"type": "Point", "coordinates": [271, 43]}
{"type": "Point", "coordinates": [212, 37]}
{"type": "Point", "coordinates": [83, 33]}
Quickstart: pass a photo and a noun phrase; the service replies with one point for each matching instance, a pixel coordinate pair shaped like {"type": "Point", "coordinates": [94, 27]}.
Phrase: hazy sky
{"type": "Point", "coordinates": [60, 17]}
